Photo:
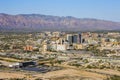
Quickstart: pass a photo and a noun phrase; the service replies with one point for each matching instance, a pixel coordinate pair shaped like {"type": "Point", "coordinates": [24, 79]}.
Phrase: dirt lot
{"type": "Point", "coordinates": [11, 75]}
{"type": "Point", "coordinates": [66, 74]}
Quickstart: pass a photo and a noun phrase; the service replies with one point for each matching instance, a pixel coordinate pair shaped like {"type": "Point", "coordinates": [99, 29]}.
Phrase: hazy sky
{"type": "Point", "coordinates": [100, 9]}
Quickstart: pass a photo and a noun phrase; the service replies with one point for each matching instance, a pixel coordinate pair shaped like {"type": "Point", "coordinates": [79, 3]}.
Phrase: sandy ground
{"type": "Point", "coordinates": [105, 71]}
{"type": "Point", "coordinates": [11, 75]}
{"type": "Point", "coordinates": [67, 74]}
{"type": "Point", "coordinates": [73, 73]}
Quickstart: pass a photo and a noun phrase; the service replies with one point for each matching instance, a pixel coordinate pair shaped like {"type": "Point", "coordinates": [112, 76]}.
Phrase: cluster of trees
{"type": "Point", "coordinates": [97, 52]}
{"type": "Point", "coordinates": [114, 78]}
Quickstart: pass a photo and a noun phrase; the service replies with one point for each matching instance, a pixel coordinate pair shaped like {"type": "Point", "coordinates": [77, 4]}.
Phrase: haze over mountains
{"type": "Point", "coordinates": [39, 22]}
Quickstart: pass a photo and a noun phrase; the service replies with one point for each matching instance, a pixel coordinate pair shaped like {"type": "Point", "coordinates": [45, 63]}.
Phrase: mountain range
{"type": "Point", "coordinates": [38, 22]}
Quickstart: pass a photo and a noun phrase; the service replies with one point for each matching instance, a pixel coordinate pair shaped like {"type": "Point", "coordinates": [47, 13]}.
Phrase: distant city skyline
{"type": "Point", "coordinates": [98, 9]}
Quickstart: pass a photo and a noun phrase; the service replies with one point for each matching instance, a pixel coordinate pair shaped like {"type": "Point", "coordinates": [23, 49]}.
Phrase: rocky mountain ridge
{"type": "Point", "coordinates": [48, 22]}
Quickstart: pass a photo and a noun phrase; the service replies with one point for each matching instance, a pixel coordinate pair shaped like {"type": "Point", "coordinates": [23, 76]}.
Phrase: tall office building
{"type": "Point", "coordinates": [79, 38]}
{"type": "Point", "coordinates": [70, 38]}
{"type": "Point", "coordinates": [74, 38]}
